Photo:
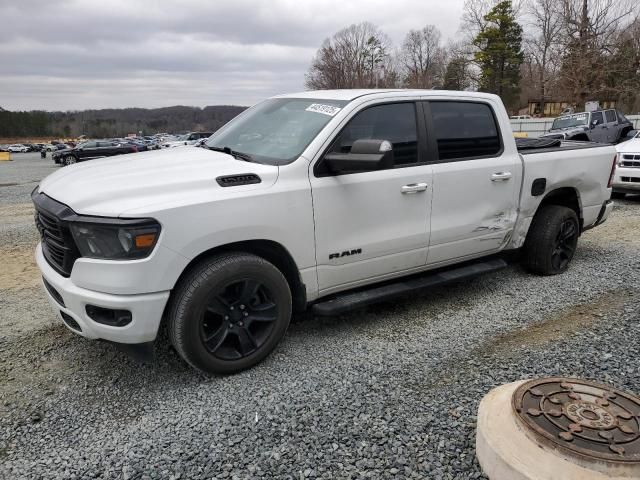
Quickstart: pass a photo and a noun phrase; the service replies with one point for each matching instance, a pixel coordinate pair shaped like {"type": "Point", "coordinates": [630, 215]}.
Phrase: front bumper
{"type": "Point", "coordinates": [146, 309]}
{"type": "Point", "coordinates": [626, 180]}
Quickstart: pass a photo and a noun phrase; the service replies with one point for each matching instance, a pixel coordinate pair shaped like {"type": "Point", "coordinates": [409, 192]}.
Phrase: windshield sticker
{"type": "Point", "coordinates": [577, 116]}
{"type": "Point", "coordinates": [324, 109]}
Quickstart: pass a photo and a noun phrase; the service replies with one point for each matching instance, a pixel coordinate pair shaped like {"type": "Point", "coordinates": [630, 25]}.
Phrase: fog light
{"type": "Point", "coordinates": [109, 316]}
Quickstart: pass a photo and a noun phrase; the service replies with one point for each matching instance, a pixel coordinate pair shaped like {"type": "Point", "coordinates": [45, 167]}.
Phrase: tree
{"type": "Point", "coordinates": [456, 76]}
{"type": "Point", "coordinates": [591, 28]}
{"type": "Point", "coordinates": [355, 57]}
{"type": "Point", "coordinates": [499, 54]}
{"type": "Point", "coordinates": [423, 58]}
{"type": "Point", "coordinates": [545, 20]}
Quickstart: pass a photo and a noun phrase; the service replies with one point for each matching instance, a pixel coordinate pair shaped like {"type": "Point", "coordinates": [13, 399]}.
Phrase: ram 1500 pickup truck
{"type": "Point", "coordinates": [328, 200]}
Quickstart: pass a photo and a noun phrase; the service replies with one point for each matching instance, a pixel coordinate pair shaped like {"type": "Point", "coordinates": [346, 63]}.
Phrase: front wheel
{"type": "Point", "coordinates": [229, 313]}
{"type": "Point", "coordinates": [69, 160]}
{"type": "Point", "coordinates": [618, 195]}
{"type": "Point", "coordinates": [552, 240]}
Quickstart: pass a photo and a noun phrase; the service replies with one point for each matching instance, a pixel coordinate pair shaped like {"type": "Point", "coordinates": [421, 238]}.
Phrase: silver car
{"type": "Point", "coordinates": [603, 126]}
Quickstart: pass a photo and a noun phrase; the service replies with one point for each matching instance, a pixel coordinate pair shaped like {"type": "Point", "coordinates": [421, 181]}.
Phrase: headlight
{"type": "Point", "coordinates": [116, 240]}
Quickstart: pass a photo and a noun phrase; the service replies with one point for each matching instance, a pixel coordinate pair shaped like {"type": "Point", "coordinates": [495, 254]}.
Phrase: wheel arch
{"type": "Point", "coordinates": [566, 197]}
{"type": "Point", "coordinates": [271, 251]}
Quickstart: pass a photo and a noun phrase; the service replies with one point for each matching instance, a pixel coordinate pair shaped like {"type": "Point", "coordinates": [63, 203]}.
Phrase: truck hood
{"type": "Point", "coordinates": [139, 183]}
{"type": "Point", "coordinates": [568, 131]}
{"type": "Point", "coordinates": [630, 146]}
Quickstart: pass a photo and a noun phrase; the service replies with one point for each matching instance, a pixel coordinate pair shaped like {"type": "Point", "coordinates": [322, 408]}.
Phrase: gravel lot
{"type": "Point", "coordinates": [386, 392]}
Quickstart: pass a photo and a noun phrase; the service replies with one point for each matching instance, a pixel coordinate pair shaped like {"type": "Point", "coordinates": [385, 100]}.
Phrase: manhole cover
{"type": "Point", "coordinates": [582, 418]}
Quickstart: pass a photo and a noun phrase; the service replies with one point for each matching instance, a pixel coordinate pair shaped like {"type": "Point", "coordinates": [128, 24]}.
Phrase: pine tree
{"type": "Point", "coordinates": [499, 54]}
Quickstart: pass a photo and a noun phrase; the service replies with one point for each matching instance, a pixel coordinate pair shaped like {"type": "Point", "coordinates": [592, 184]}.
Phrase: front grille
{"type": "Point", "coordinates": [631, 156]}
{"type": "Point", "coordinates": [630, 163]}
{"type": "Point", "coordinates": [58, 246]}
{"type": "Point", "coordinates": [630, 179]}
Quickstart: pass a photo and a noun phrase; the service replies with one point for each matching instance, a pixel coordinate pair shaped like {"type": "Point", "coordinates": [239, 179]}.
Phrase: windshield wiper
{"type": "Point", "coordinates": [239, 155]}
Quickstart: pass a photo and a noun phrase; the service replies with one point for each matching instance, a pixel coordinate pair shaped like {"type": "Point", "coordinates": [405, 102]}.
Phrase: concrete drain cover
{"type": "Point", "coordinates": [581, 418]}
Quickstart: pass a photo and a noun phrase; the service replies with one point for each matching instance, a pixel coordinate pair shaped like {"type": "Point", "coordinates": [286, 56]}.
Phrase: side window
{"type": "Point", "coordinates": [597, 118]}
{"type": "Point", "coordinates": [394, 122]}
{"type": "Point", "coordinates": [611, 116]}
{"type": "Point", "coordinates": [90, 145]}
{"type": "Point", "coordinates": [464, 130]}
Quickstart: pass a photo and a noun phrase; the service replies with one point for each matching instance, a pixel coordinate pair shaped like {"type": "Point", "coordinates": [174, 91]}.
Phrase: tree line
{"type": "Point", "coordinates": [547, 50]}
{"type": "Point", "coordinates": [107, 123]}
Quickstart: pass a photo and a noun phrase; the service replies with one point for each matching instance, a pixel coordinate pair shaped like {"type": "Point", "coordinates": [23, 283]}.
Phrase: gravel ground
{"type": "Point", "coordinates": [386, 392]}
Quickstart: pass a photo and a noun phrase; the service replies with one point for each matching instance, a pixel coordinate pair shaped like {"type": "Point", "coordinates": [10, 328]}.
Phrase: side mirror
{"type": "Point", "coordinates": [365, 155]}
{"type": "Point", "coordinates": [594, 123]}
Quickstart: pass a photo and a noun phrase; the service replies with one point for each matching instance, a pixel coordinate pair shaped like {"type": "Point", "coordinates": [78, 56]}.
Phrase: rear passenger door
{"type": "Point", "coordinates": [476, 182]}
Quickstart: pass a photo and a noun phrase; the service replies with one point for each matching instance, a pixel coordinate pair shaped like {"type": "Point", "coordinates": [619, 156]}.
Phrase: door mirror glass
{"type": "Point", "coordinates": [365, 155]}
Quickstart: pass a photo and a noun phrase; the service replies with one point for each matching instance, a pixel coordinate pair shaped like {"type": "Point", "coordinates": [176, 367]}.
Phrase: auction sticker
{"type": "Point", "coordinates": [324, 109]}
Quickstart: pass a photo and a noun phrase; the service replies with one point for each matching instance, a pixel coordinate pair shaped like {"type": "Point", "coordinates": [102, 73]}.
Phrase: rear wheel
{"type": "Point", "coordinates": [229, 313]}
{"type": "Point", "coordinates": [552, 240]}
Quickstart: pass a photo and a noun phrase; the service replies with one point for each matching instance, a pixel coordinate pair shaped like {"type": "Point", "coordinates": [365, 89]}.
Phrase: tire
{"type": "Point", "coordinates": [69, 160]}
{"type": "Point", "coordinates": [229, 313]}
{"type": "Point", "coordinates": [618, 195]}
{"type": "Point", "coordinates": [552, 240]}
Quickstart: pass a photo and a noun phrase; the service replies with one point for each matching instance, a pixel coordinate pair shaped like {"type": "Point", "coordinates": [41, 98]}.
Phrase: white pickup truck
{"type": "Point", "coordinates": [329, 200]}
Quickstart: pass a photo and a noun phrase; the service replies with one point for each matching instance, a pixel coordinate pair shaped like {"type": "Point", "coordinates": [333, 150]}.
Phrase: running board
{"type": "Point", "coordinates": [352, 300]}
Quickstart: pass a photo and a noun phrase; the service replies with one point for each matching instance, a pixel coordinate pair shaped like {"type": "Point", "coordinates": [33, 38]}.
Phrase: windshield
{"type": "Point", "coordinates": [577, 120]}
{"type": "Point", "coordinates": [277, 130]}
{"type": "Point", "coordinates": [184, 137]}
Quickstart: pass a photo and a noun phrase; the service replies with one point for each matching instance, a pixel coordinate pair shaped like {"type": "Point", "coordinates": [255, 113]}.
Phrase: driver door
{"type": "Point", "coordinates": [373, 224]}
{"type": "Point", "coordinates": [599, 130]}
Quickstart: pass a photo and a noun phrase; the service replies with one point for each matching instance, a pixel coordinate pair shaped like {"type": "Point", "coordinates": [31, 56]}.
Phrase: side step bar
{"type": "Point", "coordinates": [352, 300]}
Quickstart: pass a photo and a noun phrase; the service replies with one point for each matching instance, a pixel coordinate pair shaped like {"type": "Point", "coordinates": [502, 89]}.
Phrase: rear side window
{"type": "Point", "coordinates": [394, 122]}
{"type": "Point", "coordinates": [465, 130]}
{"type": "Point", "coordinates": [611, 116]}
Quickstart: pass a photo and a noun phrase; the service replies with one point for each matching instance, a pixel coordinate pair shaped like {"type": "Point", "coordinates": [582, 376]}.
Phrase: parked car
{"type": "Point", "coordinates": [186, 139]}
{"type": "Point", "coordinates": [17, 148]}
{"type": "Point", "coordinates": [298, 202]}
{"type": "Point", "coordinates": [604, 126]}
{"type": "Point", "coordinates": [92, 149]}
{"type": "Point", "coordinates": [627, 176]}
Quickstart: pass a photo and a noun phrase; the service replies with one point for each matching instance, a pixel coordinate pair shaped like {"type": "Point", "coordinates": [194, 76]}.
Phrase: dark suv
{"type": "Point", "coordinates": [92, 149]}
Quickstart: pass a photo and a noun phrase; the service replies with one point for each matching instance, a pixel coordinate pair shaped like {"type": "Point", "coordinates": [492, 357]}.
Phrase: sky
{"type": "Point", "coordinates": [81, 54]}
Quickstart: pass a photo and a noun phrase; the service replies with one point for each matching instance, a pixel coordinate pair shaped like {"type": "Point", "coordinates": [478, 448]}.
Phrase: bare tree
{"type": "Point", "coordinates": [545, 20]}
{"type": "Point", "coordinates": [591, 28]}
{"type": "Point", "coordinates": [355, 57]}
{"type": "Point", "coordinates": [423, 58]}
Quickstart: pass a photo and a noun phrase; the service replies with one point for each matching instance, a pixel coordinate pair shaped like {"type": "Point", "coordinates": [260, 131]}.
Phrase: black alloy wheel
{"type": "Point", "coordinates": [238, 319]}
{"type": "Point", "coordinates": [229, 312]}
{"type": "Point", "coordinates": [565, 245]}
{"type": "Point", "coordinates": [552, 240]}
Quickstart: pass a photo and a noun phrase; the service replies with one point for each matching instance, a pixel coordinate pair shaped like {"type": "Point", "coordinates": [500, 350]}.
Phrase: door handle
{"type": "Point", "coordinates": [414, 188]}
{"type": "Point", "coordinates": [500, 176]}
